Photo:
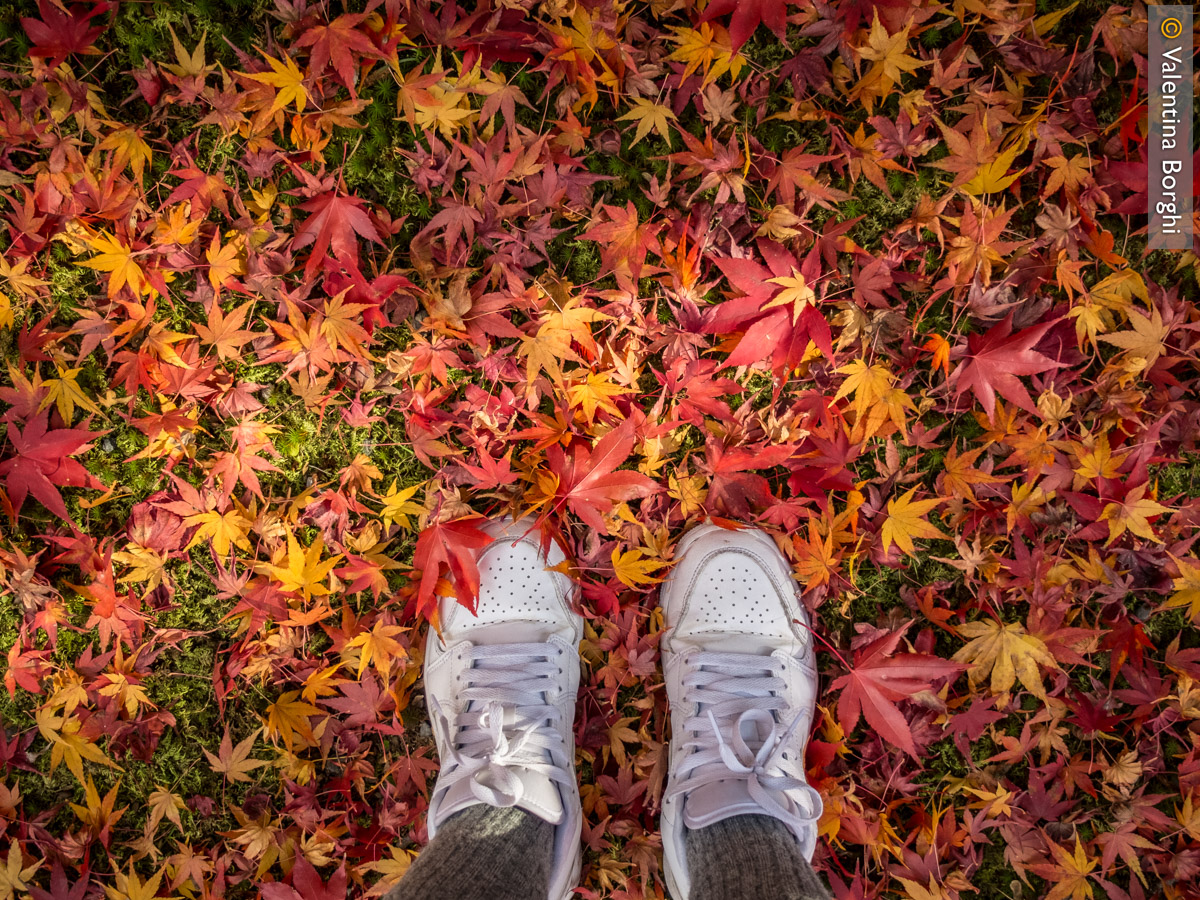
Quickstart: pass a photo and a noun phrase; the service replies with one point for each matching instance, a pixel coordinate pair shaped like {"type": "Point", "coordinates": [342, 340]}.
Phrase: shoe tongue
{"type": "Point", "coordinates": [719, 800]}
{"type": "Point", "coordinates": [539, 796]}
{"type": "Point", "coordinates": [733, 642]}
{"type": "Point", "coordinates": [484, 633]}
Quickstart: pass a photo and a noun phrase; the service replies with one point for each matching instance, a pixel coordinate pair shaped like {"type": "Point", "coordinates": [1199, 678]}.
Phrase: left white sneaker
{"type": "Point", "coordinates": [741, 681]}
{"type": "Point", "coordinates": [500, 687]}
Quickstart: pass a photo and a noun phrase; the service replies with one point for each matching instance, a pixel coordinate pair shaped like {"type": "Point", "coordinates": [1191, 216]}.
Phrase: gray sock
{"type": "Point", "coordinates": [483, 853]}
{"type": "Point", "coordinates": [748, 858]}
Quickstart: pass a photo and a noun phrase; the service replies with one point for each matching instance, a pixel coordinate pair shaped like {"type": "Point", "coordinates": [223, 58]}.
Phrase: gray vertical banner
{"type": "Point", "coordinates": [1170, 120]}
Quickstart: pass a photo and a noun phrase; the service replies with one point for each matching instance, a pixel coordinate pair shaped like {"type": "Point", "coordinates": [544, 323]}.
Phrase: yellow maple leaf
{"type": "Point", "coordinates": [17, 278]}
{"type": "Point", "coordinates": [340, 325]}
{"type": "Point", "coordinates": [288, 717]}
{"type": "Point", "coordinates": [889, 61]}
{"type": "Point", "coordinates": [1097, 461]}
{"type": "Point", "coordinates": [117, 259]}
{"type": "Point", "coordinates": [145, 565]}
{"type": "Point", "coordinates": [889, 51]}
{"type": "Point", "coordinates": [379, 645]}
{"type": "Point", "coordinates": [177, 226]}
{"type": "Point", "coordinates": [66, 743]}
{"type": "Point", "coordinates": [128, 149]}
{"type": "Point", "coordinates": [224, 262]}
{"type": "Point", "coordinates": [322, 683]}
{"type": "Point", "coordinates": [905, 522]}
{"type": "Point", "coordinates": [288, 81]}
{"type": "Point", "coordinates": [595, 392]}
{"type": "Point", "coordinates": [1187, 588]}
{"type": "Point", "coordinates": [164, 804]}
{"type": "Point", "coordinates": [992, 176]}
{"type": "Point", "coordinates": [65, 392]}
{"type": "Point", "coordinates": [1007, 652]}
{"type": "Point", "coordinates": [97, 813]}
{"type": "Point", "coordinates": [398, 505]}
{"type": "Point", "coordinates": [1146, 341]}
{"type": "Point", "coordinates": [130, 887]}
{"type": "Point", "coordinates": [796, 293]}
{"type": "Point", "coordinates": [708, 48]}
{"type": "Point", "coordinates": [304, 572]}
{"type": "Point", "coordinates": [634, 569]}
{"type": "Point", "coordinates": [1071, 873]}
{"type": "Point", "coordinates": [444, 108]}
{"type": "Point", "coordinates": [1071, 173]}
{"type": "Point", "coordinates": [868, 384]}
{"type": "Point", "coordinates": [551, 345]}
{"type": "Point", "coordinates": [225, 530]}
{"type": "Point", "coordinates": [191, 65]}
{"type": "Point", "coordinates": [14, 875]}
{"type": "Point", "coordinates": [1027, 498]}
{"type": "Point", "coordinates": [649, 116]}
{"type": "Point", "coordinates": [1132, 514]}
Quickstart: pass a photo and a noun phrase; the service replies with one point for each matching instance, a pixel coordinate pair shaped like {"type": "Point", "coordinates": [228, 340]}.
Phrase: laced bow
{"type": "Point", "coordinates": [737, 695]}
{"type": "Point", "coordinates": [506, 722]}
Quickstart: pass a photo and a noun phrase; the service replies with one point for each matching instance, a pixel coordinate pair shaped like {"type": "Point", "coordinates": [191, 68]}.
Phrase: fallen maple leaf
{"type": "Point", "coordinates": [995, 359]}
{"type": "Point", "coordinates": [1008, 652]}
{"type": "Point", "coordinates": [747, 14]}
{"type": "Point", "coordinates": [1132, 514]}
{"type": "Point", "coordinates": [905, 521]}
{"type": "Point", "coordinates": [877, 680]}
{"type": "Point", "coordinates": [589, 483]}
{"type": "Point", "coordinates": [449, 547]}
{"type": "Point", "coordinates": [286, 77]}
{"type": "Point", "coordinates": [42, 463]}
{"type": "Point", "coordinates": [235, 762]}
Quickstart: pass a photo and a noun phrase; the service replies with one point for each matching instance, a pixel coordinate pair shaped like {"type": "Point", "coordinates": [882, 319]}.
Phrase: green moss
{"type": "Point", "coordinates": [1179, 479]}
{"type": "Point", "coordinates": [995, 877]}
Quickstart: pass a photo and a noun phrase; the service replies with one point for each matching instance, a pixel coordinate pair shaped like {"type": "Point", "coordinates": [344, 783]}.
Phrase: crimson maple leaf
{"type": "Point", "coordinates": [995, 359]}
{"type": "Point", "coordinates": [307, 884]}
{"type": "Point", "coordinates": [336, 219]}
{"type": "Point", "coordinates": [778, 305]}
{"type": "Point", "coordinates": [449, 547]}
{"type": "Point", "coordinates": [588, 482]}
{"type": "Point", "coordinates": [747, 14]}
{"type": "Point", "coordinates": [42, 464]}
{"type": "Point", "coordinates": [878, 679]}
{"type": "Point", "coordinates": [59, 34]}
{"type": "Point", "coordinates": [337, 43]}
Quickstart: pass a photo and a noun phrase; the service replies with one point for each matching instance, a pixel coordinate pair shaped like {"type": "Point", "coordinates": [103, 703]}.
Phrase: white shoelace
{"type": "Point", "coordinates": [738, 693]}
{"type": "Point", "coordinates": [506, 722]}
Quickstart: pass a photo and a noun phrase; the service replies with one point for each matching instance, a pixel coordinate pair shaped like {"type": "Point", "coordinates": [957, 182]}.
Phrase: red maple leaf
{"type": "Point", "coordinates": [449, 547]}
{"type": "Point", "coordinates": [772, 331]}
{"type": "Point", "coordinates": [336, 219]}
{"type": "Point", "coordinates": [747, 14]}
{"type": "Point", "coordinates": [877, 680]}
{"type": "Point", "coordinates": [337, 43]}
{"type": "Point", "coordinates": [59, 34]}
{"type": "Point", "coordinates": [42, 463]}
{"type": "Point", "coordinates": [995, 359]}
{"type": "Point", "coordinates": [307, 884]}
{"type": "Point", "coordinates": [588, 482]}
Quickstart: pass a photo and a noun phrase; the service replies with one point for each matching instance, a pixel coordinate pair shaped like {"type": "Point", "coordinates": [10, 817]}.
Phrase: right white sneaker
{"type": "Point", "coordinates": [500, 687]}
{"type": "Point", "coordinates": [741, 681]}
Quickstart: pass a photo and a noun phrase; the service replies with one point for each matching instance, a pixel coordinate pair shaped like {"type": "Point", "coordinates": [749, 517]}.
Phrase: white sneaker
{"type": "Point", "coordinates": [501, 686]}
{"type": "Point", "coordinates": [741, 681]}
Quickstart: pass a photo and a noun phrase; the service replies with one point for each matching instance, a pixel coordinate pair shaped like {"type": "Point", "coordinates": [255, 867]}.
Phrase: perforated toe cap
{"type": "Point", "coordinates": [734, 592]}
{"type": "Point", "coordinates": [515, 585]}
{"type": "Point", "coordinates": [730, 583]}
